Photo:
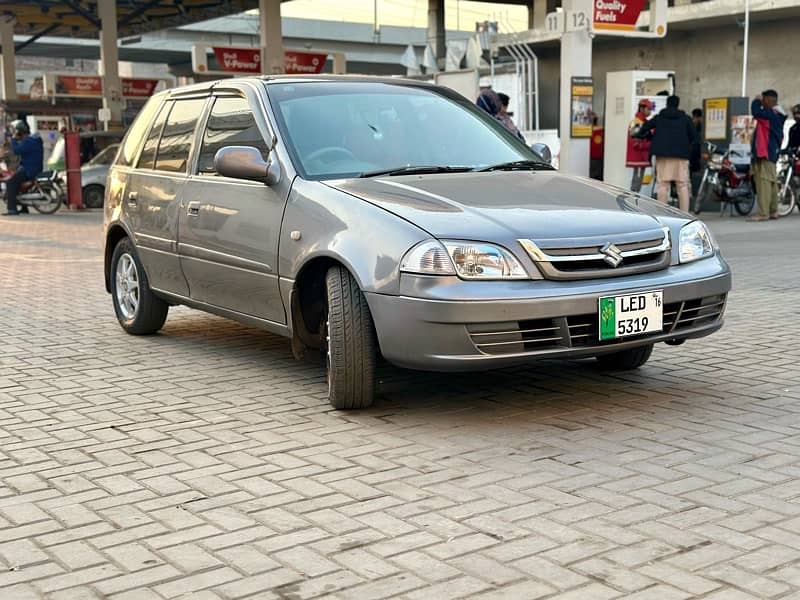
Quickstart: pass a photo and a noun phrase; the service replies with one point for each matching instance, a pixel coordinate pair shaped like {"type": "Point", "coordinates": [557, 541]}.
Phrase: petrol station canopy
{"type": "Point", "coordinates": [79, 18]}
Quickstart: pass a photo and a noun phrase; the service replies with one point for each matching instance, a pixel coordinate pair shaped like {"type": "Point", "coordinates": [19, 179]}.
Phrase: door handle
{"type": "Point", "coordinates": [133, 198]}
{"type": "Point", "coordinates": [193, 209]}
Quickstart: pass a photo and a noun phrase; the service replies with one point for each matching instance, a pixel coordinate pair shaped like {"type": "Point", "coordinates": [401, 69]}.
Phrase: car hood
{"type": "Point", "coordinates": [517, 204]}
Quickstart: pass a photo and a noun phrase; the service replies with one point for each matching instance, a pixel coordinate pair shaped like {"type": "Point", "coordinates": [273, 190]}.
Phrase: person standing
{"type": "Point", "coordinates": [31, 157]}
{"type": "Point", "coordinates": [596, 149]}
{"type": "Point", "coordinates": [505, 117]}
{"type": "Point", "coordinates": [671, 145]}
{"type": "Point", "coordinates": [794, 131]}
{"type": "Point", "coordinates": [638, 154]}
{"type": "Point", "coordinates": [765, 145]}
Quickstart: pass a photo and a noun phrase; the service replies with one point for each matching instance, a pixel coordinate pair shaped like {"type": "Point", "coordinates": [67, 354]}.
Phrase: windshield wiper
{"type": "Point", "coordinates": [416, 169]}
{"type": "Point", "coordinates": [518, 165]}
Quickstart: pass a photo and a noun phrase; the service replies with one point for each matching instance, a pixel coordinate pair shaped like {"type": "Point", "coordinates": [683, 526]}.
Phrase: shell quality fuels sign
{"type": "Point", "coordinates": [617, 14]}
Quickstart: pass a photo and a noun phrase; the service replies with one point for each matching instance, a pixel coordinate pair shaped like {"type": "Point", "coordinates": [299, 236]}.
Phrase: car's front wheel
{"type": "Point", "coordinates": [625, 360]}
{"type": "Point", "coordinates": [138, 309]}
{"type": "Point", "coordinates": [349, 342]}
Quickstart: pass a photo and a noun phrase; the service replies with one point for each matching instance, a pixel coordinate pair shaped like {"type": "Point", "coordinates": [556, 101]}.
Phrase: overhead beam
{"type": "Point", "coordinates": [143, 8]}
{"type": "Point", "coordinates": [33, 38]}
{"type": "Point", "coordinates": [78, 9]}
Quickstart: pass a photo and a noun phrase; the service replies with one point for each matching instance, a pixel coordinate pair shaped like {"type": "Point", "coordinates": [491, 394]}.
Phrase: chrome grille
{"type": "Point", "coordinates": [580, 331]}
{"type": "Point", "coordinates": [584, 258]}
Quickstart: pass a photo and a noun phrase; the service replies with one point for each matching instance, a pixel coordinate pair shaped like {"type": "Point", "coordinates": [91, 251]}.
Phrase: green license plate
{"type": "Point", "coordinates": [633, 314]}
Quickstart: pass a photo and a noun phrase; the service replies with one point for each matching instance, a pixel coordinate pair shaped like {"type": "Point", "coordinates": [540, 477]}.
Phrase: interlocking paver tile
{"type": "Point", "coordinates": [204, 461]}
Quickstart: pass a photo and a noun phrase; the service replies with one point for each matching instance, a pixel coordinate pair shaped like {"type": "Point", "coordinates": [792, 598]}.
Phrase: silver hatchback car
{"type": "Point", "coordinates": [364, 216]}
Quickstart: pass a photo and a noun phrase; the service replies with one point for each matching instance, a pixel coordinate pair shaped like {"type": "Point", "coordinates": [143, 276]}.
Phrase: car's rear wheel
{"type": "Point", "coordinates": [349, 342]}
{"type": "Point", "coordinates": [93, 196]}
{"type": "Point", "coordinates": [139, 311]}
{"type": "Point", "coordinates": [625, 360]}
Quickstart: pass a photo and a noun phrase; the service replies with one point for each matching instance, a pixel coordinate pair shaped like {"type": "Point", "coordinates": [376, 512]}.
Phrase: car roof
{"type": "Point", "coordinates": [207, 87]}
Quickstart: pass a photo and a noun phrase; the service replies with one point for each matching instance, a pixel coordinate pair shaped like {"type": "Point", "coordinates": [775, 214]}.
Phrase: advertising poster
{"type": "Point", "coordinates": [742, 130]}
{"type": "Point", "coordinates": [582, 91]}
{"type": "Point", "coordinates": [716, 116]}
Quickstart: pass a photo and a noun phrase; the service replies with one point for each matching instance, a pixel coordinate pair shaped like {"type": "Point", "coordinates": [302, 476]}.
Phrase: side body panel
{"type": "Point", "coordinates": [229, 230]}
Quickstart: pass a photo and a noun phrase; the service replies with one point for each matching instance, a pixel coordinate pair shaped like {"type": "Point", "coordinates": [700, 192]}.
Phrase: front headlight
{"type": "Point", "coordinates": [695, 242]}
{"type": "Point", "coordinates": [468, 260]}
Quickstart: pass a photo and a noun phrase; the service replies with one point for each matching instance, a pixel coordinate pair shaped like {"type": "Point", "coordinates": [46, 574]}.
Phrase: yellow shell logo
{"type": "Point", "coordinates": [660, 30]}
{"type": "Point", "coordinates": [201, 68]}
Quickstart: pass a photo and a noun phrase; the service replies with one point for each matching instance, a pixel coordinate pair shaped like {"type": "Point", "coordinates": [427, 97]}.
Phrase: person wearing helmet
{"type": "Point", "coordinates": [31, 158]}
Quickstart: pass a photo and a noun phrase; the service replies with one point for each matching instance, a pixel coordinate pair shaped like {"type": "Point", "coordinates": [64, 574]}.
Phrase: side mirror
{"type": "Point", "coordinates": [246, 162]}
{"type": "Point", "coordinates": [543, 150]}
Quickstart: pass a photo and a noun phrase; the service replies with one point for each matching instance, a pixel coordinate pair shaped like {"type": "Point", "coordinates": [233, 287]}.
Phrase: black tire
{"type": "Point", "coordinates": [150, 311]}
{"type": "Point", "coordinates": [53, 205]}
{"type": "Point", "coordinates": [349, 342]}
{"type": "Point", "coordinates": [786, 201]}
{"type": "Point", "coordinates": [625, 360]}
{"type": "Point", "coordinates": [703, 191]}
{"type": "Point", "coordinates": [93, 196]}
{"type": "Point", "coordinates": [744, 205]}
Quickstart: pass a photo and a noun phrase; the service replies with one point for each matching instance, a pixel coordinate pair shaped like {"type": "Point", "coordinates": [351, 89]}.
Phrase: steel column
{"type": "Point", "coordinates": [272, 55]}
{"type": "Point", "coordinates": [7, 68]}
{"type": "Point", "coordinates": [109, 60]}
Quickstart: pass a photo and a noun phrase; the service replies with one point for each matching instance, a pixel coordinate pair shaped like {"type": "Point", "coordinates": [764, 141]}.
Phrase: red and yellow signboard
{"type": "Point", "coordinates": [617, 15]}
{"type": "Point", "coordinates": [248, 60]}
{"type": "Point", "coordinates": [91, 86]}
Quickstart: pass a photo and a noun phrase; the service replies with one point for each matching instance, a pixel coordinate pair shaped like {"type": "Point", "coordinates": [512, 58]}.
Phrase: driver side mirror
{"type": "Point", "coordinates": [246, 162]}
{"type": "Point", "coordinates": [543, 150]}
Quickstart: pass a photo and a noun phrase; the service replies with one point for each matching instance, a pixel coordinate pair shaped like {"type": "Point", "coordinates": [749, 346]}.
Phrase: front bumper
{"type": "Point", "coordinates": [446, 324]}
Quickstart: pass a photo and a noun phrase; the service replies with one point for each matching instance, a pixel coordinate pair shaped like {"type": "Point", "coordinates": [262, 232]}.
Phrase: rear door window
{"type": "Point", "coordinates": [231, 123]}
{"type": "Point", "coordinates": [178, 135]}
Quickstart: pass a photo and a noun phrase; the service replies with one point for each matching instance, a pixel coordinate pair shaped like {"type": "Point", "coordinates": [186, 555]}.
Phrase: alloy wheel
{"type": "Point", "coordinates": [127, 286]}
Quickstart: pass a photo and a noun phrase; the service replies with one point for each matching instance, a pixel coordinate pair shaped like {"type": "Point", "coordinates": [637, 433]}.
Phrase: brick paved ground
{"type": "Point", "coordinates": [205, 463]}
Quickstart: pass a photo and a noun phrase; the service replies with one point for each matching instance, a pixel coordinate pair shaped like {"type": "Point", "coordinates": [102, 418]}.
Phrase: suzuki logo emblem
{"type": "Point", "coordinates": [613, 255]}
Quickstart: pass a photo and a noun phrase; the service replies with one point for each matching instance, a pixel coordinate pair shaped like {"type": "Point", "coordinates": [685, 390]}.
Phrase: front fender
{"type": "Point", "coordinates": [330, 223]}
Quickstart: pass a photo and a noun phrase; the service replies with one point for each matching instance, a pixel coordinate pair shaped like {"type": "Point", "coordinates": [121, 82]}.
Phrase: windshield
{"type": "Point", "coordinates": [105, 156]}
{"type": "Point", "coordinates": [345, 129]}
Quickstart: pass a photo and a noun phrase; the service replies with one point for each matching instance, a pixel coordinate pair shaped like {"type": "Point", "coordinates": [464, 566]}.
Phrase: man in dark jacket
{"type": "Point", "coordinates": [766, 143]}
{"type": "Point", "coordinates": [673, 134]}
{"type": "Point", "coordinates": [31, 156]}
{"type": "Point", "coordinates": [794, 131]}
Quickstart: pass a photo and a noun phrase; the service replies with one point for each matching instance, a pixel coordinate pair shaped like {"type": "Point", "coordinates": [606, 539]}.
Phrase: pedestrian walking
{"type": "Point", "coordinates": [673, 134]}
{"type": "Point", "coordinates": [638, 154]}
{"type": "Point", "coordinates": [764, 151]}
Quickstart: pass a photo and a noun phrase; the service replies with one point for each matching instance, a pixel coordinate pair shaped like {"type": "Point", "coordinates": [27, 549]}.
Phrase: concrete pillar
{"type": "Point", "coordinates": [272, 54]}
{"type": "Point", "coordinates": [339, 63]}
{"type": "Point", "coordinates": [109, 60]}
{"type": "Point", "coordinates": [576, 61]}
{"type": "Point", "coordinates": [537, 12]}
{"type": "Point", "coordinates": [8, 72]}
{"type": "Point", "coordinates": [436, 32]}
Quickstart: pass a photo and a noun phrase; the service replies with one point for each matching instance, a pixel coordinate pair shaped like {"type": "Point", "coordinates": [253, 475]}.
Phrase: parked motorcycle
{"type": "Point", "coordinates": [726, 182]}
{"type": "Point", "coordinates": [788, 180]}
{"type": "Point", "coordinates": [45, 194]}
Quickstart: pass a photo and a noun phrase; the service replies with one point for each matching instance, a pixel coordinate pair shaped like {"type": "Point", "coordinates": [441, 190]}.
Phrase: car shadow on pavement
{"type": "Point", "coordinates": [544, 387]}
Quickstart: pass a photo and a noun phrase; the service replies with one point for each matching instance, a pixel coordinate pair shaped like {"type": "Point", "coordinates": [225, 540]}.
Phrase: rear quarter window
{"type": "Point", "coordinates": [135, 136]}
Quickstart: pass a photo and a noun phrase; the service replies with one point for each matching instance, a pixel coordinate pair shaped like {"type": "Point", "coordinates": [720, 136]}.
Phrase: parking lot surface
{"type": "Point", "coordinates": [205, 462]}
